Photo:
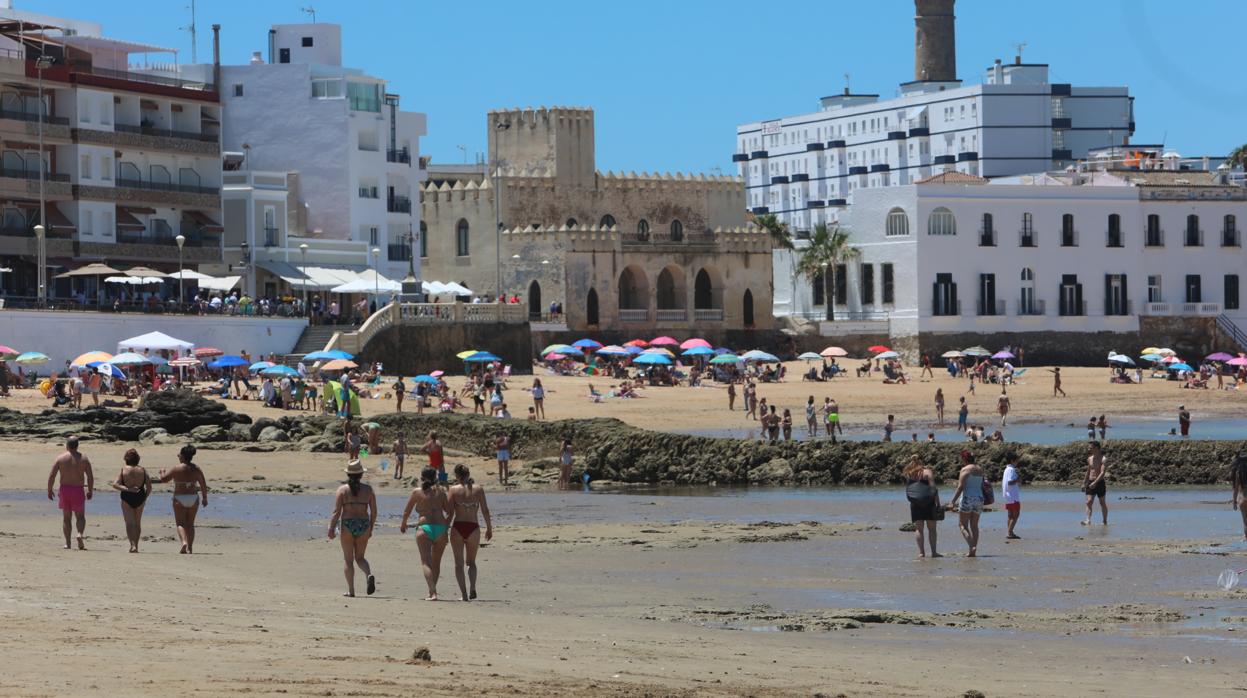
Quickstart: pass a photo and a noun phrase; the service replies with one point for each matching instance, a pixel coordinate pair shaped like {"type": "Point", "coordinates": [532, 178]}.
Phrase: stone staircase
{"type": "Point", "coordinates": [314, 338]}
{"type": "Point", "coordinates": [1233, 331]}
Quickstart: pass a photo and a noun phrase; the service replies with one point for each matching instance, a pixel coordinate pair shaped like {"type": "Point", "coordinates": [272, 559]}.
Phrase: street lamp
{"type": "Point", "coordinates": [303, 281]}
{"type": "Point", "coordinates": [376, 275]}
{"type": "Point", "coordinates": [181, 240]}
{"type": "Point", "coordinates": [245, 250]}
{"type": "Point", "coordinates": [42, 260]}
{"type": "Point", "coordinates": [500, 126]}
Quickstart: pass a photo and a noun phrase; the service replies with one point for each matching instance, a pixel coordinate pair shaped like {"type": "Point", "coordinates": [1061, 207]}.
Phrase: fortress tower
{"type": "Point", "coordinates": [555, 142]}
{"type": "Point", "coordinates": [935, 41]}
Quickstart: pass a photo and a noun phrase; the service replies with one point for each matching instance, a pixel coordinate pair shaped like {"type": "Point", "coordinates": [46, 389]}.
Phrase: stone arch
{"type": "Point", "coordinates": [708, 289]}
{"type": "Point", "coordinates": [607, 222]}
{"type": "Point", "coordinates": [591, 308]}
{"type": "Point", "coordinates": [672, 288]}
{"type": "Point", "coordinates": [534, 300]}
{"type": "Point", "coordinates": [633, 289]}
{"type": "Point", "coordinates": [747, 310]}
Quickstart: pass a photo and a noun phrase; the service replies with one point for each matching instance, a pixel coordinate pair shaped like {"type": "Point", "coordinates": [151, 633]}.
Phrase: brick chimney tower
{"type": "Point", "coordinates": [935, 41]}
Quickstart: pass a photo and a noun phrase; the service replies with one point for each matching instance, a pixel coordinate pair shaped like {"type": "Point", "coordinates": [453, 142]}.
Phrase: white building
{"type": "Point", "coordinates": [356, 152]}
{"type": "Point", "coordinates": [1069, 253]}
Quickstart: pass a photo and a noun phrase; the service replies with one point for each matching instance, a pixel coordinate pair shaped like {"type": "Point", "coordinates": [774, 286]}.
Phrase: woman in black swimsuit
{"type": "Point", "coordinates": [924, 502]}
{"type": "Point", "coordinates": [134, 486]}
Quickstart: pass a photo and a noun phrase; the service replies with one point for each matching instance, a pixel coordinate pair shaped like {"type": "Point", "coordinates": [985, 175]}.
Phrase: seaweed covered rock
{"type": "Point", "coordinates": [175, 411]}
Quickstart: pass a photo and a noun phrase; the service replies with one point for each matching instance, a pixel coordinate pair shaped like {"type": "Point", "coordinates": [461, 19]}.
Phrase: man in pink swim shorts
{"type": "Point", "coordinates": [77, 486]}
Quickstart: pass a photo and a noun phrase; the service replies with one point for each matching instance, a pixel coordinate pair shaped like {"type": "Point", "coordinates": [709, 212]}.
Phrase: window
{"type": "Point", "coordinates": [1194, 292]}
{"type": "Point", "coordinates": [270, 226]}
{"type": "Point", "coordinates": [1115, 302]}
{"type": "Point", "coordinates": [461, 238]}
{"type": "Point", "coordinates": [820, 289]}
{"type": "Point", "coordinates": [987, 294]}
{"type": "Point", "coordinates": [1229, 231]}
{"type": "Point", "coordinates": [868, 284]}
{"type": "Point", "coordinates": [987, 233]}
{"type": "Point", "coordinates": [1028, 231]}
{"type": "Point", "coordinates": [1154, 236]}
{"type": "Point", "coordinates": [1194, 236]}
{"type": "Point", "coordinates": [364, 96]}
{"type": "Point", "coordinates": [127, 172]}
{"type": "Point", "coordinates": [842, 284]}
{"type": "Point", "coordinates": [1114, 230]}
{"type": "Point", "coordinates": [84, 110]}
{"type": "Point", "coordinates": [571, 223]}
{"type": "Point", "coordinates": [897, 223]}
{"type": "Point", "coordinates": [424, 239]}
{"type": "Point", "coordinates": [238, 89]}
{"type": "Point", "coordinates": [307, 42]}
{"type": "Point", "coordinates": [1027, 304]}
{"type": "Point", "coordinates": [642, 230]}
{"type": "Point", "coordinates": [607, 222]}
{"type": "Point", "coordinates": [159, 174]}
{"type": "Point", "coordinates": [1230, 301]}
{"type": "Point", "coordinates": [88, 222]}
{"type": "Point", "coordinates": [326, 89]}
{"type": "Point", "coordinates": [941, 222]}
{"type": "Point", "coordinates": [106, 114]}
{"type": "Point", "coordinates": [374, 236]}
{"type": "Point", "coordinates": [1069, 236]}
{"type": "Point", "coordinates": [84, 167]}
{"type": "Point", "coordinates": [369, 191]}
{"type": "Point", "coordinates": [944, 296]}
{"type": "Point", "coordinates": [106, 224]}
{"type": "Point", "coordinates": [106, 168]}
{"type": "Point", "coordinates": [1071, 296]}
{"type": "Point", "coordinates": [889, 291]}
{"type": "Point", "coordinates": [677, 231]}
{"type": "Point", "coordinates": [1154, 294]}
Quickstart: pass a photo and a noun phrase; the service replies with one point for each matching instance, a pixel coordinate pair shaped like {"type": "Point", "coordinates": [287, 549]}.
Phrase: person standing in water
{"type": "Point", "coordinates": [1011, 489]}
{"type": "Point", "coordinates": [355, 506]}
{"type": "Point", "coordinates": [939, 405]}
{"type": "Point", "coordinates": [1184, 421]}
{"type": "Point", "coordinates": [565, 464]}
{"type": "Point", "coordinates": [786, 424]}
{"type": "Point", "coordinates": [1238, 480]}
{"type": "Point", "coordinates": [963, 414]}
{"type": "Point", "coordinates": [467, 499]}
{"type": "Point", "coordinates": [969, 501]}
{"type": "Point", "coordinates": [189, 489]}
{"type": "Point", "coordinates": [924, 503]}
{"type": "Point", "coordinates": [833, 418]}
{"type": "Point", "coordinates": [811, 418]}
{"type": "Point", "coordinates": [429, 501]}
{"type": "Point", "coordinates": [1094, 484]}
{"type": "Point", "coordinates": [502, 449]}
{"type": "Point", "coordinates": [135, 487]}
{"type": "Point", "coordinates": [77, 486]}
{"type": "Point", "coordinates": [1102, 425]}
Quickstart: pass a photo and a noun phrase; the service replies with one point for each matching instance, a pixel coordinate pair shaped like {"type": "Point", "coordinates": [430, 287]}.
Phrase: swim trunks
{"type": "Point", "coordinates": [72, 498]}
{"type": "Point", "coordinates": [1097, 490]}
{"type": "Point", "coordinates": [504, 454]}
{"type": "Point", "coordinates": [1013, 506]}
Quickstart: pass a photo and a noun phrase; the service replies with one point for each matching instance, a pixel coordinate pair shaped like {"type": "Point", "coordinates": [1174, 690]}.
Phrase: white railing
{"type": "Point", "coordinates": [633, 315]}
{"type": "Point", "coordinates": [1157, 309]}
{"type": "Point", "coordinates": [354, 342]}
{"type": "Point", "coordinates": [708, 315]}
{"type": "Point", "coordinates": [672, 315]}
{"type": "Point", "coordinates": [470, 313]}
{"type": "Point", "coordinates": [1182, 309]}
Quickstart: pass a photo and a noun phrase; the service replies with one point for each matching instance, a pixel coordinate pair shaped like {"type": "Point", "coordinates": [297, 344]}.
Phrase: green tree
{"type": "Point", "coordinates": [777, 229]}
{"type": "Point", "coordinates": [828, 248]}
{"type": "Point", "coordinates": [1237, 157]}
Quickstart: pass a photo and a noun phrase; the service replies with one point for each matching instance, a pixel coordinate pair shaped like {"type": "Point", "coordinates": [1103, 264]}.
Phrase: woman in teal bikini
{"type": "Point", "coordinates": [355, 505]}
{"type": "Point", "coordinates": [431, 503]}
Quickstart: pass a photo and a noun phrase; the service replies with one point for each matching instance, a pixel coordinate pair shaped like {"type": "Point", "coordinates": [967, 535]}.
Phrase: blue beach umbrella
{"type": "Point", "coordinates": [632, 349]}
{"type": "Point", "coordinates": [697, 351]}
{"type": "Point", "coordinates": [726, 359]}
{"type": "Point", "coordinates": [425, 379]}
{"type": "Point", "coordinates": [260, 366]}
{"type": "Point", "coordinates": [228, 361]}
{"type": "Point", "coordinates": [722, 350]}
{"type": "Point", "coordinates": [107, 368]}
{"type": "Point", "coordinates": [1179, 367]}
{"type": "Point", "coordinates": [587, 344]}
{"type": "Point", "coordinates": [1151, 357]}
{"type": "Point", "coordinates": [758, 355]}
{"type": "Point", "coordinates": [328, 355]}
{"type": "Point", "coordinates": [279, 370]}
{"type": "Point", "coordinates": [482, 356]}
{"type": "Point", "coordinates": [652, 359]}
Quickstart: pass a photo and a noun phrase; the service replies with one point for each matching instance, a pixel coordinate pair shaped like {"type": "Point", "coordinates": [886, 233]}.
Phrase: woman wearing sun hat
{"type": "Point", "coordinates": [355, 505]}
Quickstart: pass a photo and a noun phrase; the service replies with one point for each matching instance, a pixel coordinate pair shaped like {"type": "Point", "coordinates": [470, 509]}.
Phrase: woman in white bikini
{"type": "Point", "coordinates": [189, 489]}
{"type": "Point", "coordinates": [466, 500]}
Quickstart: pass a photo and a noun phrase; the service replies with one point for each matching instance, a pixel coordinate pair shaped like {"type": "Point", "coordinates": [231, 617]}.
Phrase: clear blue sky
{"type": "Point", "coordinates": [670, 79]}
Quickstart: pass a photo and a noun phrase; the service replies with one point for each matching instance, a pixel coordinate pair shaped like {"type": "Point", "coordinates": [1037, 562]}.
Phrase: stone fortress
{"type": "Point", "coordinates": [631, 252]}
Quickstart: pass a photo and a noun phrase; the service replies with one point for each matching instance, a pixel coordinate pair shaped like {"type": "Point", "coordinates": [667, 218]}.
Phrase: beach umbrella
{"type": "Point", "coordinates": [338, 365]}
{"type": "Point", "coordinates": [279, 370]}
{"type": "Point", "coordinates": [463, 355]}
{"type": "Point", "coordinates": [31, 358]}
{"type": "Point", "coordinates": [664, 340]}
{"type": "Point", "coordinates": [438, 373]}
{"type": "Point", "coordinates": [207, 352]}
{"type": "Point", "coordinates": [1002, 354]}
{"type": "Point", "coordinates": [560, 349]}
{"type": "Point", "coordinates": [652, 360]}
{"type": "Point", "coordinates": [976, 351]}
{"type": "Point", "coordinates": [555, 356]}
{"type": "Point", "coordinates": [697, 351]}
{"type": "Point", "coordinates": [1151, 357]}
{"type": "Point", "coordinates": [1121, 359]}
{"type": "Point", "coordinates": [658, 350]}
{"type": "Point", "coordinates": [633, 350]}
{"type": "Point", "coordinates": [1151, 350]}
{"type": "Point", "coordinates": [694, 342]}
{"type": "Point", "coordinates": [1171, 360]}
{"type": "Point", "coordinates": [612, 350]}
{"type": "Point", "coordinates": [185, 362]}
{"type": "Point", "coordinates": [833, 352]}
{"type": "Point", "coordinates": [1219, 356]}
{"type": "Point", "coordinates": [760, 356]}
{"type": "Point", "coordinates": [726, 359]}
{"type": "Point", "coordinates": [1236, 361]}
{"type": "Point", "coordinates": [810, 356]}
{"type": "Point", "coordinates": [722, 350]}
{"type": "Point", "coordinates": [107, 369]}
{"type": "Point", "coordinates": [87, 358]}
{"type": "Point", "coordinates": [130, 358]}
{"type": "Point", "coordinates": [636, 343]}
{"type": "Point", "coordinates": [587, 344]}
{"type": "Point", "coordinates": [229, 361]}
{"type": "Point", "coordinates": [886, 355]}
{"type": "Point", "coordinates": [425, 379]}
{"type": "Point", "coordinates": [260, 366]}
{"type": "Point", "coordinates": [877, 348]}
{"type": "Point", "coordinates": [1179, 367]}
{"type": "Point", "coordinates": [1166, 352]}
{"type": "Point", "coordinates": [328, 355]}
{"type": "Point", "coordinates": [954, 354]}
{"type": "Point", "coordinates": [482, 356]}
{"type": "Point", "coordinates": [8, 352]}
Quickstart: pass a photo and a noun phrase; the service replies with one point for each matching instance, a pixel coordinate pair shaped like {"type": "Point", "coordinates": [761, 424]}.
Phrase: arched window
{"type": "Point", "coordinates": [1114, 230]}
{"type": "Point", "coordinates": [941, 222]}
{"type": "Point", "coordinates": [591, 308]}
{"type": "Point", "coordinates": [1229, 231]}
{"type": "Point", "coordinates": [424, 239]}
{"type": "Point", "coordinates": [677, 230]}
{"type": "Point", "coordinates": [897, 222]}
{"type": "Point", "coordinates": [534, 300]}
{"type": "Point", "coordinates": [461, 238]}
{"type": "Point", "coordinates": [1069, 236]}
{"type": "Point", "coordinates": [642, 229]}
{"type": "Point", "coordinates": [1194, 236]}
{"type": "Point", "coordinates": [748, 308]}
{"type": "Point", "coordinates": [571, 223]}
{"type": "Point", "coordinates": [633, 289]}
{"type": "Point", "coordinates": [671, 289]}
{"type": "Point", "coordinates": [608, 221]}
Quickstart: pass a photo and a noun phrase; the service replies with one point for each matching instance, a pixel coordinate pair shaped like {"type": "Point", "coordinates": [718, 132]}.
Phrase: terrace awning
{"type": "Point", "coordinates": [317, 278]}
{"type": "Point", "coordinates": [127, 221]}
{"type": "Point", "coordinates": [57, 220]}
{"type": "Point", "coordinates": [203, 221]}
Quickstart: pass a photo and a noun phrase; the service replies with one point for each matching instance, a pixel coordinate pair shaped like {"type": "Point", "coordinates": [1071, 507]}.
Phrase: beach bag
{"type": "Point", "coordinates": [989, 495]}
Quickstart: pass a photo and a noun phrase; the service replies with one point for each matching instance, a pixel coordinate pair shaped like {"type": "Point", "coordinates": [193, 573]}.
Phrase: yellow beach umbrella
{"type": "Point", "coordinates": [466, 354]}
{"type": "Point", "coordinates": [1150, 350]}
{"type": "Point", "coordinates": [92, 356]}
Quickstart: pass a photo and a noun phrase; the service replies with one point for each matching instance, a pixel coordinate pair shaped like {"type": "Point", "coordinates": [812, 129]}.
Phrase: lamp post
{"type": "Point", "coordinates": [376, 275]}
{"type": "Point", "coordinates": [181, 240]}
{"type": "Point", "coordinates": [245, 250]}
{"type": "Point", "coordinates": [303, 282]}
{"type": "Point", "coordinates": [42, 260]}
{"type": "Point", "coordinates": [500, 126]}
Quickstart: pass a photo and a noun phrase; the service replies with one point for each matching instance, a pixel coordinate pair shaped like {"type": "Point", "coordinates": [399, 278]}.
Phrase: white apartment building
{"type": "Point", "coordinates": [356, 153]}
{"type": "Point", "coordinates": [1073, 252]}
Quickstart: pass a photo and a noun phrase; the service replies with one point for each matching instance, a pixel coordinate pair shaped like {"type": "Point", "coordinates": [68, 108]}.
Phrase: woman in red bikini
{"type": "Point", "coordinates": [466, 499]}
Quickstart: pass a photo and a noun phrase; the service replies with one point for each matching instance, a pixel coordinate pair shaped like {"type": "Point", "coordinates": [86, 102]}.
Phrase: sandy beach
{"type": "Point", "coordinates": [769, 593]}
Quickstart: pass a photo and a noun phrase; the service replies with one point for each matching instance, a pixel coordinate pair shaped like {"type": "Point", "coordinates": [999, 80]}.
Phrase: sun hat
{"type": "Point", "coordinates": [354, 468]}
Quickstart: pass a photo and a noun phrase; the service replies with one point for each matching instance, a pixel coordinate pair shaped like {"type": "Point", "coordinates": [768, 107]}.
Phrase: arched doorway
{"type": "Point", "coordinates": [703, 291]}
{"type": "Point", "coordinates": [671, 289]}
{"type": "Point", "coordinates": [748, 309]}
{"type": "Point", "coordinates": [591, 308]}
{"type": "Point", "coordinates": [633, 289]}
{"type": "Point", "coordinates": [534, 300]}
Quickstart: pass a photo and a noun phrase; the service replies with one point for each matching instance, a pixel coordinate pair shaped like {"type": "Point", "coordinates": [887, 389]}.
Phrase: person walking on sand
{"type": "Point", "coordinates": [1002, 406]}
{"type": "Point", "coordinates": [502, 448]}
{"type": "Point", "coordinates": [135, 487]}
{"type": "Point", "coordinates": [751, 400]}
{"type": "Point", "coordinates": [939, 406]}
{"type": "Point", "coordinates": [926, 367]}
{"type": "Point", "coordinates": [187, 478]}
{"type": "Point", "coordinates": [429, 501]}
{"type": "Point", "coordinates": [811, 418]}
{"type": "Point", "coordinates": [731, 396]}
{"type": "Point", "coordinates": [433, 449]}
{"type": "Point", "coordinates": [466, 501]}
{"type": "Point", "coordinates": [77, 486]}
{"type": "Point", "coordinates": [1184, 421]}
{"type": "Point", "coordinates": [963, 414]}
{"type": "Point", "coordinates": [539, 399]}
{"type": "Point", "coordinates": [1094, 484]}
{"type": "Point", "coordinates": [400, 455]}
{"type": "Point", "coordinates": [1238, 481]}
{"type": "Point", "coordinates": [1056, 382]}
{"type": "Point", "coordinates": [565, 464]}
{"type": "Point", "coordinates": [355, 509]}
{"type": "Point", "coordinates": [924, 503]}
{"type": "Point", "coordinates": [968, 500]}
{"type": "Point", "coordinates": [400, 391]}
{"type": "Point", "coordinates": [1010, 486]}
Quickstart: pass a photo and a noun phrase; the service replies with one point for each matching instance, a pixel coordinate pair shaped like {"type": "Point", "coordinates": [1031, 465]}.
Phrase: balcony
{"type": "Point", "coordinates": [740, 157]}
{"type": "Point", "coordinates": [138, 191]}
{"type": "Point", "coordinates": [671, 315]}
{"type": "Point", "coordinates": [1069, 238]}
{"type": "Point", "coordinates": [24, 184]}
{"type": "Point", "coordinates": [946, 309]}
{"type": "Point", "coordinates": [398, 204]}
{"type": "Point", "coordinates": [32, 175]}
{"type": "Point", "coordinates": [397, 252]}
{"type": "Point", "coordinates": [896, 135]}
{"type": "Point", "coordinates": [125, 136]}
{"type": "Point", "coordinates": [987, 237]}
{"type": "Point", "coordinates": [1027, 238]}
{"type": "Point", "coordinates": [1154, 238]}
{"type": "Point", "coordinates": [147, 130]}
{"type": "Point", "coordinates": [1031, 307]}
{"type": "Point", "coordinates": [33, 117]}
{"type": "Point", "coordinates": [990, 307]}
{"type": "Point", "coordinates": [1119, 309]}
{"type": "Point", "coordinates": [1059, 122]}
{"type": "Point", "coordinates": [1069, 309]}
{"type": "Point", "coordinates": [1230, 237]}
{"type": "Point", "coordinates": [86, 74]}
{"type": "Point", "coordinates": [1193, 238]}
{"type": "Point", "coordinates": [835, 144]}
{"type": "Point", "coordinates": [779, 179]}
{"type": "Point", "coordinates": [1182, 309]}
{"type": "Point", "coordinates": [919, 131]}
{"type": "Point", "coordinates": [1062, 154]}
{"type": "Point", "coordinates": [813, 146]}
{"type": "Point", "coordinates": [162, 239]}
{"type": "Point", "coordinates": [708, 315]}
{"type": "Point", "coordinates": [633, 315]}
{"type": "Point", "coordinates": [758, 154]}
{"type": "Point", "coordinates": [400, 155]}
{"type": "Point", "coordinates": [270, 237]}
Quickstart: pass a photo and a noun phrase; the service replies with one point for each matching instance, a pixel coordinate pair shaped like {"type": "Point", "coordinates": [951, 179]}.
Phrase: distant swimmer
{"type": "Point", "coordinates": [77, 486]}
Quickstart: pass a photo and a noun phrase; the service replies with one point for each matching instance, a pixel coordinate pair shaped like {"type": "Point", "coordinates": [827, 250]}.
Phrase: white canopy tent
{"type": "Point", "coordinates": [189, 275]}
{"type": "Point", "coordinates": [219, 284]}
{"type": "Point", "coordinates": [381, 285]}
{"type": "Point", "coordinates": [134, 280]}
{"type": "Point", "coordinates": [432, 287]}
{"type": "Point", "coordinates": [458, 289]}
{"type": "Point", "coordinates": [154, 341]}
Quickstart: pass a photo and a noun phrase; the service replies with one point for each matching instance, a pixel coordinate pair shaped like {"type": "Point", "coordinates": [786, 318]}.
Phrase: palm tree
{"type": "Point", "coordinates": [777, 229]}
{"type": "Point", "coordinates": [1237, 157]}
{"type": "Point", "coordinates": [828, 248]}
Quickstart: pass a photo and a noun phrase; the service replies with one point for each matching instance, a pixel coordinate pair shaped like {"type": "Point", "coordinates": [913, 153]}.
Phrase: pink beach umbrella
{"type": "Point", "coordinates": [437, 374]}
{"type": "Point", "coordinates": [555, 356]}
{"type": "Point", "coordinates": [1171, 359]}
{"type": "Point", "coordinates": [694, 343]}
{"type": "Point", "coordinates": [1238, 361]}
{"type": "Point", "coordinates": [8, 351]}
{"type": "Point", "coordinates": [664, 340]}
